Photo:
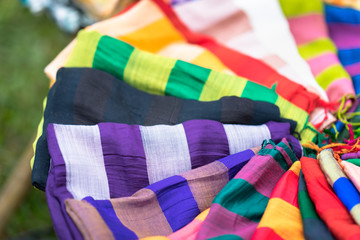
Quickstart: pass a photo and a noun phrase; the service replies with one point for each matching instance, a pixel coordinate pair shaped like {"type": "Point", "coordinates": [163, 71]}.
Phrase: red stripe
{"type": "Point", "coordinates": [287, 188]}
{"type": "Point", "coordinates": [246, 66]}
{"type": "Point", "coordinates": [265, 233]}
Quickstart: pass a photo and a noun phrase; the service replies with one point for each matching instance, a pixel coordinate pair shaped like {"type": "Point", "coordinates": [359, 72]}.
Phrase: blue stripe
{"type": "Point", "coordinates": [106, 210]}
{"type": "Point", "coordinates": [349, 56]}
{"type": "Point", "coordinates": [347, 193]}
{"type": "Point", "coordinates": [183, 197]}
{"type": "Point", "coordinates": [356, 83]}
{"type": "Point", "coordinates": [341, 15]}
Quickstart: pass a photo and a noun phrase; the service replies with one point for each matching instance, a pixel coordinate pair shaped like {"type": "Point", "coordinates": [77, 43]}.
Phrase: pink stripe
{"type": "Point", "coordinates": [319, 63]}
{"type": "Point", "coordinates": [225, 222]}
{"type": "Point", "coordinates": [353, 69]}
{"type": "Point", "coordinates": [345, 35]}
{"type": "Point", "coordinates": [188, 232]}
{"type": "Point", "coordinates": [308, 28]}
{"type": "Point", "coordinates": [337, 89]}
{"type": "Point", "coordinates": [262, 172]}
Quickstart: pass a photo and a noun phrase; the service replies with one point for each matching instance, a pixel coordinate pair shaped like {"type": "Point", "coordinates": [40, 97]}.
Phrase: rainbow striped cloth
{"type": "Point", "coordinates": [160, 75]}
{"type": "Point", "coordinates": [238, 208]}
{"type": "Point", "coordinates": [327, 204]}
{"type": "Point", "coordinates": [282, 218]}
{"type": "Point", "coordinates": [344, 29]}
{"type": "Point", "coordinates": [308, 27]}
{"type": "Point", "coordinates": [342, 186]}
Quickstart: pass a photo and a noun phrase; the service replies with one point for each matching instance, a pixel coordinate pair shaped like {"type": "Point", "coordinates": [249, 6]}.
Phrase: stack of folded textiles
{"type": "Point", "coordinates": [201, 120]}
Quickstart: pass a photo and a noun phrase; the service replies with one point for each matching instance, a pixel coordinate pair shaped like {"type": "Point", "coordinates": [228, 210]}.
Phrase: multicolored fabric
{"type": "Point", "coordinates": [88, 96]}
{"type": "Point", "coordinates": [355, 161]}
{"type": "Point", "coordinates": [308, 27]}
{"type": "Point", "coordinates": [344, 30]}
{"type": "Point", "coordinates": [329, 207]}
{"type": "Point", "coordinates": [248, 24]}
{"type": "Point", "coordinates": [164, 34]}
{"type": "Point", "coordinates": [345, 3]}
{"type": "Point", "coordinates": [127, 158]}
{"type": "Point", "coordinates": [282, 218]}
{"type": "Point", "coordinates": [353, 172]}
{"type": "Point", "coordinates": [343, 188]}
{"type": "Point", "coordinates": [314, 227]}
{"type": "Point", "coordinates": [238, 208]}
{"type": "Point", "coordinates": [170, 203]}
{"type": "Point", "coordinates": [160, 75]}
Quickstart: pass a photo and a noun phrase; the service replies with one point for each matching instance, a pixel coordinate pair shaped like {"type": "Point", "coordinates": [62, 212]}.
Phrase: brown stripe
{"type": "Point", "coordinates": [142, 214]}
{"type": "Point", "coordinates": [88, 220]}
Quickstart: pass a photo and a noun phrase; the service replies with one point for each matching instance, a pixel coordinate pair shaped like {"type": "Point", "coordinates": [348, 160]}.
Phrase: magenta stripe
{"type": "Point", "coordinates": [353, 69]}
{"type": "Point", "coordinates": [319, 63]}
{"type": "Point", "coordinates": [228, 223]}
{"type": "Point", "coordinates": [207, 141]}
{"type": "Point", "coordinates": [262, 172]}
{"type": "Point", "coordinates": [124, 158]}
{"type": "Point", "coordinates": [308, 28]}
{"type": "Point", "coordinates": [345, 35]}
{"type": "Point", "coordinates": [338, 88]}
{"type": "Point", "coordinates": [285, 155]}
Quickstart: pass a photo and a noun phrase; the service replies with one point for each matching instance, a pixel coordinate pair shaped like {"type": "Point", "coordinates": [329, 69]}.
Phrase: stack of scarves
{"type": "Point", "coordinates": [199, 120]}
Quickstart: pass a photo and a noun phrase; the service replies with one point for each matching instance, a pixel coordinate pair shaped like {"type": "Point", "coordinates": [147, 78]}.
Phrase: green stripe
{"type": "Point", "coordinates": [276, 155]}
{"type": "Point", "coordinates": [331, 74]}
{"type": "Point", "coordinates": [300, 7]}
{"type": "Point", "coordinates": [355, 161]}
{"type": "Point", "coordinates": [112, 56]}
{"type": "Point", "coordinates": [288, 151]}
{"type": "Point", "coordinates": [186, 80]}
{"type": "Point", "coordinates": [306, 206]}
{"type": "Point", "coordinates": [259, 93]}
{"type": "Point", "coordinates": [316, 48]}
{"type": "Point", "coordinates": [227, 237]}
{"type": "Point", "coordinates": [83, 53]}
{"type": "Point", "coordinates": [240, 197]}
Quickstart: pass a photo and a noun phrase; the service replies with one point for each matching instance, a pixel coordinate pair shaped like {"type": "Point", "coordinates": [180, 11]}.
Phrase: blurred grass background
{"type": "Point", "coordinates": [27, 44]}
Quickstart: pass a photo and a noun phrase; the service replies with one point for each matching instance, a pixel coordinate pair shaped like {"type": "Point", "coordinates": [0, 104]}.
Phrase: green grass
{"type": "Point", "coordinates": [27, 44]}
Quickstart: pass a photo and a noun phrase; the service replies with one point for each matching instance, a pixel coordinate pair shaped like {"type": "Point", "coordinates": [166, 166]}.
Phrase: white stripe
{"type": "Point", "coordinates": [166, 150]}
{"type": "Point", "coordinates": [242, 137]}
{"type": "Point", "coordinates": [83, 155]}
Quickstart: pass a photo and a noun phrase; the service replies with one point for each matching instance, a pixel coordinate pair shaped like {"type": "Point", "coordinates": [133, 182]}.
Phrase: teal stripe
{"type": "Point", "coordinates": [288, 151]}
{"type": "Point", "coordinates": [186, 80]}
{"type": "Point", "coordinates": [227, 237]}
{"type": "Point", "coordinates": [112, 56]}
{"type": "Point", "coordinates": [276, 155]}
{"type": "Point", "coordinates": [257, 92]}
{"type": "Point", "coordinates": [240, 197]}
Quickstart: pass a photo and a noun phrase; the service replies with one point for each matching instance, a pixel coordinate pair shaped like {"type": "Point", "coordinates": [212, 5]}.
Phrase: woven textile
{"type": "Point", "coordinates": [355, 161]}
{"type": "Point", "coordinates": [254, 27]}
{"type": "Point", "coordinates": [308, 27]}
{"type": "Point", "coordinates": [344, 29]}
{"type": "Point", "coordinates": [159, 75]}
{"type": "Point", "coordinates": [353, 172]}
{"type": "Point", "coordinates": [164, 34]}
{"type": "Point", "coordinates": [238, 208]}
{"type": "Point", "coordinates": [314, 227]}
{"type": "Point", "coordinates": [170, 203]}
{"type": "Point", "coordinates": [329, 207]}
{"type": "Point", "coordinates": [90, 96]}
{"type": "Point", "coordinates": [345, 3]}
{"type": "Point", "coordinates": [342, 186]}
{"type": "Point", "coordinates": [282, 218]}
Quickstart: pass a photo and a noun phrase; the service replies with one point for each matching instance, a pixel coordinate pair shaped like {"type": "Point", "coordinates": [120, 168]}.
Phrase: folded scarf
{"type": "Point", "coordinates": [160, 75]}
{"type": "Point", "coordinates": [343, 188]}
{"type": "Point", "coordinates": [308, 27]}
{"type": "Point", "coordinates": [282, 218]}
{"type": "Point", "coordinates": [353, 172]}
{"type": "Point", "coordinates": [314, 227]}
{"type": "Point", "coordinates": [344, 30]}
{"type": "Point", "coordinates": [90, 96]}
{"type": "Point", "coordinates": [160, 208]}
{"type": "Point", "coordinates": [329, 207]}
{"type": "Point", "coordinates": [164, 34]}
{"type": "Point", "coordinates": [238, 208]}
{"type": "Point", "coordinates": [248, 27]}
